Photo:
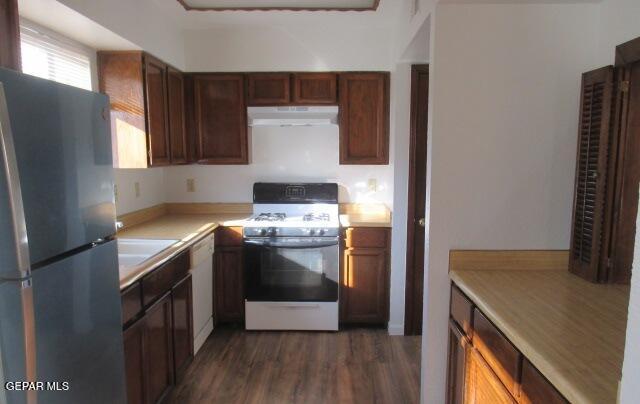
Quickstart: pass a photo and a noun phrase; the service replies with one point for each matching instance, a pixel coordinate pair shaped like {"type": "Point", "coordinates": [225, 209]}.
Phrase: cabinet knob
{"type": "Point", "coordinates": [422, 222]}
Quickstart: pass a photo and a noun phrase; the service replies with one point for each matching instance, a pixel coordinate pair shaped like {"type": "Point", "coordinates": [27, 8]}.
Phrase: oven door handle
{"type": "Point", "coordinates": [275, 244]}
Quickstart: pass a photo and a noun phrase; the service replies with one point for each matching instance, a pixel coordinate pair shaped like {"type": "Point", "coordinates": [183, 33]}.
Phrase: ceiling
{"type": "Point", "coordinates": [279, 5]}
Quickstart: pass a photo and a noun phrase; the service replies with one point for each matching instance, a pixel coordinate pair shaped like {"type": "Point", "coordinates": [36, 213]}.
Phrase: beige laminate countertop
{"type": "Point", "coordinates": [573, 331]}
{"type": "Point", "coordinates": [365, 220]}
{"type": "Point", "coordinates": [187, 228]}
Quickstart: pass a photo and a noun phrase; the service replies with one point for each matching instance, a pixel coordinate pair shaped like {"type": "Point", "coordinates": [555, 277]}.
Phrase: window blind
{"type": "Point", "coordinates": [54, 59]}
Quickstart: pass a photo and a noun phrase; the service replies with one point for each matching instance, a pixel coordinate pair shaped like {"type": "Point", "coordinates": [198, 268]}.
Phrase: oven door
{"type": "Point", "coordinates": [292, 269]}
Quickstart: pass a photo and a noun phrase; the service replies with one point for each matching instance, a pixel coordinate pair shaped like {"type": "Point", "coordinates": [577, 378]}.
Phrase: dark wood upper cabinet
{"type": "Point", "coordinates": [268, 88]}
{"type": "Point", "coordinates": [315, 88]}
{"type": "Point", "coordinates": [176, 110]}
{"type": "Point", "coordinates": [594, 137]}
{"type": "Point", "coordinates": [147, 109]}
{"type": "Point", "coordinates": [220, 116]}
{"type": "Point", "coordinates": [10, 34]}
{"type": "Point", "coordinates": [364, 118]}
{"type": "Point", "coordinates": [157, 116]}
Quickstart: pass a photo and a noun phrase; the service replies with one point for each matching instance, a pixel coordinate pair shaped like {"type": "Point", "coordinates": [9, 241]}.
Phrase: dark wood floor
{"type": "Point", "coordinates": [351, 366]}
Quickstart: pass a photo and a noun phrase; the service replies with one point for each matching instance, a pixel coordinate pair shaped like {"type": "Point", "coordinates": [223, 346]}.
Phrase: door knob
{"type": "Point", "coordinates": [422, 222]}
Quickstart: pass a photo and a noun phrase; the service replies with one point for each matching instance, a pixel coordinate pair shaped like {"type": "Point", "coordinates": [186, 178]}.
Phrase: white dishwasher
{"type": "Point", "coordinates": [202, 281]}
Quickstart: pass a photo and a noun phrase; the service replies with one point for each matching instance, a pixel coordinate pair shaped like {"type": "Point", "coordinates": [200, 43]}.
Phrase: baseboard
{"type": "Point", "coordinates": [395, 329]}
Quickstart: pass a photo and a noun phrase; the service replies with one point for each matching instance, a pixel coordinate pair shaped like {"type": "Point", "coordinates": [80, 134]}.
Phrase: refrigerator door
{"type": "Point", "coordinates": [78, 328]}
{"type": "Point", "coordinates": [17, 344]}
{"type": "Point", "coordinates": [14, 249]}
{"type": "Point", "coordinates": [63, 147]}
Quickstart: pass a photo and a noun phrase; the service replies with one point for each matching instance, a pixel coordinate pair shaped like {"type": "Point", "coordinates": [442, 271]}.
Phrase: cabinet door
{"type": "Point", "coordinates": [229, 284]}
{"type": "Point", "coordinates": [315, 88]}
{"type": "Point", "coordinates": [157, 122]}
{"type": "Point", "coordinates": [591, 174]}
{"type": "Point", "coordinates": [457, 367]}
{"type": "Point", "coordinates": [364, 118]}
{"type": "Point", "coordinates": [158, 350]}
{"type": "Point", "coordinates": [221, 119]}
{"type": "Point", "coordinates": [482, 385]}
{"type": "Point", "coordinates": [365, 293]}
{"type": "Point", "coordinates": [536, 389]}
{"type": "Point", "coordinates": [176, 110]}
{"type": "Point", "coordinates": [134, 362]}
{"type": "Point", "coordinates": [182, 325]}
{"type": "Point", "coordinates": [268, 88]}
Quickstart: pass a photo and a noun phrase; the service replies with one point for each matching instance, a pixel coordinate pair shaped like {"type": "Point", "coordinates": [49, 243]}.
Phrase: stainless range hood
{"type": "Point", "coordinates": [293, 116]}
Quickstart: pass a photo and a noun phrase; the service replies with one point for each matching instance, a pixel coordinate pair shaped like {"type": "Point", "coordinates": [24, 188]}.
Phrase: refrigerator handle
{"type": "Point", "coordinates": [14, 192]}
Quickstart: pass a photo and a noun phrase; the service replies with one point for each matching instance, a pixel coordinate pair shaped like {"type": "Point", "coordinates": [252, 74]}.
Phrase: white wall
{"type": "Point", "coordinates": [618, 23]}
{"type": "Point", "coordinates": [282, 154]}
{"type": "Point", "coordinates": [504, 101]}
{"type": "Point", "coordinates": [291, 47]}
{"type": "Point", "coordinates": [151, 184]}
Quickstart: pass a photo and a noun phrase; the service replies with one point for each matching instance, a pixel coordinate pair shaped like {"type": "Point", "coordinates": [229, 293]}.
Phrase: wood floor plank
{"type": "Point", "coordinates": [355, 365]}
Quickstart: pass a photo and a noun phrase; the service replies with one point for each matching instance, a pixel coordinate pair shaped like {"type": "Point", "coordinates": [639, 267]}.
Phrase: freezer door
{"type": "Point", "coordinates": [17, 344]}
{"type": "Point", "coordinates": [63, 147]}
{"type": "Point", "coordinates": [78, 328]}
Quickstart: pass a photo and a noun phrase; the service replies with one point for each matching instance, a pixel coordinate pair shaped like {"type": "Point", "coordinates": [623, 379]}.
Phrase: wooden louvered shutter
{"type": "Point", "coordinates": [591, 173]}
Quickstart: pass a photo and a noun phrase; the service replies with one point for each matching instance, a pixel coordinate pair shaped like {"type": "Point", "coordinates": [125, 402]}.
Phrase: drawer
{"type": "Point", "coordinates": [163, 278]}
{"type": "Point", "coordinates": [500, 354]}
{"type": "Point", "coordinates": [367, 237]}
{"type": "Point", "coordinates": [228, 236]}
{"type": "Point", "coordinates": [461, 309]}
{"type": "Point", "coordinates": [535, 388]}
{"type": "Point", "coordinates": [131, 302]}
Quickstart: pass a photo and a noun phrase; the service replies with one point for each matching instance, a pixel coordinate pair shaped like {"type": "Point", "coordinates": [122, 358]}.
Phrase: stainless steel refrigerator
{"type": "Point", "coordinates": [59, 288]}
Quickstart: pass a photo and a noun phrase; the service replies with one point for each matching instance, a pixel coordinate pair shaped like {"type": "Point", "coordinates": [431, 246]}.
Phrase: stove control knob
{"type": "Point", "coordinates": [312, 232]}
{"type": "Point", "coordinates": [263, 232]}
{"type": "Point", "coordinates": [273, 231]}
{"type": "Point", "coordinates": [321, 232]}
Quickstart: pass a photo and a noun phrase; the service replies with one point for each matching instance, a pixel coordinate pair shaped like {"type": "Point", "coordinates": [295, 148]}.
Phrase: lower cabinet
{"type": "Point", "coordinates": [181, 300]}
{"type": "Point", "coordinates": [228, 284]}
{"type": "Point", "coordinates": [158, 349]}
{"type": "Point", "coordinates": [484, 367]}
{"type": "Point", "coordinates": [456, 374]}
{"type": "Point", "coordinates": [158, 342]}
{"type": "Point", "coordinates": [364, 291]}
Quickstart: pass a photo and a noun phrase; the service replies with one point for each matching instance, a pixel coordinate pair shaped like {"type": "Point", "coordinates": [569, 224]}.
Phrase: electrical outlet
{"type": "Point", "coordinates": [191, 185]}
{"type": "Point", "coordinates": [136, 187]}
{"type": "Point", "coordinates": [372, 184]}
{"type": "Point", "coordinates": [115, 192]}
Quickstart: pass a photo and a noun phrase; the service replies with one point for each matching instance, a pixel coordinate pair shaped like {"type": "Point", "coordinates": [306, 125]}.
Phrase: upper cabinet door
{"type": "Point", "coordinates": [364, 118]}
{"type": "Point", "coordinates": [220, 119]}
{"type": "Point", "coordinates": [157, 122]}
{"type": "Point", "coordinates": [177, 131]}
{"type": "Point", "coordinates": [268, 88]}
{"type": "Point", "coordinates": [315, 88]}
{"type": "Point", "coordinates": [591, 174]}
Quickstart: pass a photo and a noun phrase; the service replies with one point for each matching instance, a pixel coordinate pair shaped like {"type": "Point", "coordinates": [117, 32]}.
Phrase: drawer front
{"type": "Point", "coordinates": [162, 279]}
{"type": "Point", "coordinates": [367, 237]}
{"type": "Point", "coordinates": [461, 309]}
{"type": "Point", "coordinates": [131, 302]}
{"type": "Point", "coordinates": [535, 388]}
{"type": "Point", "coordinates": [500, 354]}
{"type": "Point", "coordinates": [228, 236]}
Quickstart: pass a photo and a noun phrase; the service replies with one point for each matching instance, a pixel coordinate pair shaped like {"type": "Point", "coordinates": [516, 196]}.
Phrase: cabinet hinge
{"type": "Point", "coordinates": [624, 86]}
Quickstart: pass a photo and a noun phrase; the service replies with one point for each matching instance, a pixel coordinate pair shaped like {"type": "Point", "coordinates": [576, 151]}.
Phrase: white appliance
{"type": "Point", "coordinates": [293, 116]}
{"type": "Point", "coordinates": [291, 259]}
{"type": "Point", "coordinates": [202, 289]}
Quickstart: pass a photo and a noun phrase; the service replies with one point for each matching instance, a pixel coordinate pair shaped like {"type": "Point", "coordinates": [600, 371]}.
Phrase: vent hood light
{"type": "Point", "coordinates": [292, 116]}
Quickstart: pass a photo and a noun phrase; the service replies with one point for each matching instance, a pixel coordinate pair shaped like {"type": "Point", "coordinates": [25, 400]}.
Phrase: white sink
{"type": "Point", "coordinates": [133, 251]}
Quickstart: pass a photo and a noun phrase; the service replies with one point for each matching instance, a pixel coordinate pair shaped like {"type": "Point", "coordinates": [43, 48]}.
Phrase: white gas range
{"type": "Point", "coordinates": [292, 257]}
